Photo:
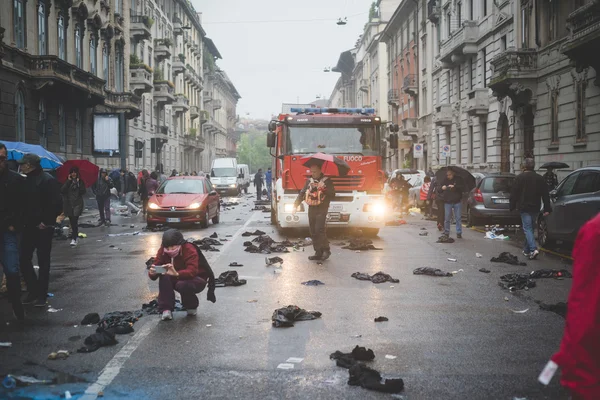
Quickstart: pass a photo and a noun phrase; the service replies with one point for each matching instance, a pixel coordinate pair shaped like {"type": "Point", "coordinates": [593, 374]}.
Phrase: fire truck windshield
{"type": "Point", "coordinates": [334, 139]}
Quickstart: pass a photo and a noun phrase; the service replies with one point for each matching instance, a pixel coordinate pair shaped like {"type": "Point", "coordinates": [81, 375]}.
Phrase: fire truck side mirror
{"type": "Point", "coordinates": [271, 139]}
{"type": "Point", "coordinates": [272, 126]}
{"type": "Point", "coordinates": [394, 141]}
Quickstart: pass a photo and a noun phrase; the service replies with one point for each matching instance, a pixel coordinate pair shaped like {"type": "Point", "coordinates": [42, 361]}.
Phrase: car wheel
{"type": "Point", "coordinates": [471, 220]}
{"type": "Point", "coordinates": [204, 221]}
{"type": "Point", "coordinates": [217, 218]}
{"type": "Point", "coordinates": [370, 232]}
{"type": "Point", "coordinates": [543, 234]}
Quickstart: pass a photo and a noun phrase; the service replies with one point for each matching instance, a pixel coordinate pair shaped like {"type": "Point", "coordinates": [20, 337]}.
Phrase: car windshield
{"type": "Point", "coordinates": [497, 184]}
{"type": "Point", "coordinates": [333, 139]}
{"type": "Point", "coordinates": [223, 172]}
{"type": "Point", "coordinates": [182, 186]}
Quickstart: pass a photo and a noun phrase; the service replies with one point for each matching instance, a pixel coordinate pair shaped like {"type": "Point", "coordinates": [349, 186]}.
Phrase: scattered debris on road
{"type": "Point", "coordinates": [273, 260]}
{"type": "Point", "coordinates": [5, 344]}
{"type": "Point", "coordinates": [559, 308]}
{"type": "Point", "coordinates": [520, 311]}
{"type": "Point", "coordinates": [484, 270]}
{"type": "Point", "coordinates": [550, 273]}
{"type": "Point", "coordinates": [478, 255]}
{"type": "Point", "coordinates": [379, 277]}
{"type": "Point", "coordinates": [235, 264]}
{"type": "Point", "coordinates": [506, 257]}
{"type": "Point", "coordinates": [452, 260]}
{"type": "Point", "coordinates": [255, 233]}
{"type": "Point", "coordinates": [424, 233]}
{"type": "Point", "coordinates": [229, 278]}
{"type": "Point", "coordinates": [445, 239]}
{"type": "Point", "coordinates": [516, 282]}
{"type": "Point", "coordinates": [381, 319]}
{"type": "Point", "coordinates": [347, 360]}
{"type": "Point", "coordinates": [59, 355]}
{"type": "Point", "coordinates": [390, 357]}
{"type": "Point", "coordinates": [431, 272]}
{"type": "Point", "coordinates": [313, 283]}
{"type": "Point", "coordinates": [361, 244]}
{"type": "Point", "coordinates": [91, 318]}
{"type": "Point", "coordinates": [214, 235]}
{"type": "Point", "coordinates": [286, 316]}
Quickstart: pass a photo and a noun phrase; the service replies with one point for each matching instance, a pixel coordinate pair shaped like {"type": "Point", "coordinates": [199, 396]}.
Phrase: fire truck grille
{"type": "Point", "coordinates": [349, 182]}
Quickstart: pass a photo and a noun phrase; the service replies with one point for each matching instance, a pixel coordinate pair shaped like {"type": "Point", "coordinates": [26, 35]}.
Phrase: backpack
{"type": "Point", "coordinates": [315, 192]}
{"type": "Point", "coordinates": [210, 295]}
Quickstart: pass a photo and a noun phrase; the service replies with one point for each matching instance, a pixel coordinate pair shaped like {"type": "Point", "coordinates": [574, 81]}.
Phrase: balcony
{"type": "Point", "coordinates": [126, 102]}
{"type": "Point", "coordinates": [64, 79]}
{"type": "Point", "coordinates": [515, 75]}
{"type": "Point", "coordinates": [181, 104]}
{"type": "Point", "coordinates": [164, 92]}
{"type": "Point", "coordinates": [410, 86]}
{"type": "Point", "coordinates": [394, 98]}
{"type": "Point", "coordinates": [140, 79]}
{"type": "Point", "coordinates": [478, 103]}
{"type": "Point", "coordinates": [463, 42]}
{"type": "Point", "coordinates": [364, 85]}
{"type": "Point", "coordinates": [195, 49]}
{"type": "Point", "coordinates": [178, 67]}
{"type": "Point", "coordinates": [213, 126]}
{"type": "Point", "coordinates": [443, 115]}
{"type": "Point", "coordinates": [139, 27]}
{"type": "Point", "coordinates": [162, 49]}
{"type": "Point", "coordinates": [584, 41]}
{"type": "Point", "coordinates": [216, 104]}
{"type": "Point", "coordinates": [433, 11]}
{"type": "Point", "coordinates": [410, 127]}
{"type": "Point", "coordinates": [177, 26]}
{"type": "Point", "coordinates": [194, 112]}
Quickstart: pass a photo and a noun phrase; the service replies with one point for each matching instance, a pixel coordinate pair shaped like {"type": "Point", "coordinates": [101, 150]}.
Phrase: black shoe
{"type": "Point", "coordinates": [317, 256]}
{"type": "Point", "coordinates": [30, 299]}
{"type": "Point", "coordinates": [41, 303]}
{"type": "Point", "coordinates": [326, 255]}
{"type": "Point", "coordinates": [459, 235]}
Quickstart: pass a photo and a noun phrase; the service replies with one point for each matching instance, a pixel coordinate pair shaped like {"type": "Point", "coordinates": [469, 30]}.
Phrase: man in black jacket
{"type": "Point", "coordinates": [317, 193]}
{"type": "Point", "coordinates": [451, 191]}
{"type": "Point", "coordinates": [101, 189]}
{"type": "Point", "coordinates": [528, 190]}
{"type": "Point", "coordinates": [258, 183]}
{"type": "Point", "coordinates": [43, 203]}
{"type": "Point", "coordinates": [11, 225]}
{"type": "Point", "coordinates": [127, 187]}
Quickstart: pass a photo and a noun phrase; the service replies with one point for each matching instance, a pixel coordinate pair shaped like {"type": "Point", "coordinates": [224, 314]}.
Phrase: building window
{"type": "Point", "coordinates": [459, 14]}
{"type": "Point", "coordinates": [438, 28]}
{"type": "Point", "coordinates": [62, 45]}
{"type": "Point", "coordinates": [471, 13]}
{"type": "Point", "coordinates": [484, 66]}
{"type": "Point", "coordinates": [20, 115]}
{"type": "Point", "coordinates": [94, 55]}
{"type": "Point", "coordinates": [437, 91]}
{"type": "Point", "coordinates": [471, 78]}
{"type": "Point", "coordinates": [503, 43]}
{"type": "Point", "coordinates": [42, 29]}
{"type": "Point", "coordinates": [78, 130]}
{"type": "Point", "coordinates": [19, 23]}
{"type": "Point", "coordinates": [42, 119]}
{"type": "Point", "coordinates": [448, 23]}
{"type": "Point", "coordinates": [119, 7]}
{"type": "Point", "coordinates": [119, 69]}
{"type": "Point", "coordinates": [470, 160]}
{"type": "Point", "coordinates": [484, 7]}
{"type": "Point", "coordinates": [449, 86]}
{"type": "Point", "coordinates": [62, 128]}
{"type": "Point", "coordinates": [105, 57]}
{"type": "Point", "coordinates": [483, 143]}
{"type": "Point", "coordinates": [554, 116]}
{"type": "Point", "coordinates": [460, 79]}
{"type": "Point", "coordinates": [78, 49]}
{"type": "Point", "coordinates": [580, 89]}
{"type": "Point", "coordinates": [525, 27]}
{"type": "Point", "coordinates": [150, 57]}
{"type": "Point", "coordinates": [459, 146]}
{"type": "Point", "coordinates": [553, 11]}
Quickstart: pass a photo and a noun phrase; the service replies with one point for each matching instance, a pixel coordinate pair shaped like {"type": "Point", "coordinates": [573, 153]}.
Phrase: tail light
{"type": "Point", "coordinates": [478, 196]}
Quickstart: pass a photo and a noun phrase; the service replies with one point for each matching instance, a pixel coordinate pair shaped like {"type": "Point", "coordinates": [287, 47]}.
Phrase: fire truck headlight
{"type": "Point", "coordinates": [288, 208]}
{"type": "Point", "coordinates": [378, 208]}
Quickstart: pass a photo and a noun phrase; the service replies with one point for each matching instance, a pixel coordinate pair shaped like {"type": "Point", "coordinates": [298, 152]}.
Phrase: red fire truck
{"type": "Point", "coordinates": [353, 134]}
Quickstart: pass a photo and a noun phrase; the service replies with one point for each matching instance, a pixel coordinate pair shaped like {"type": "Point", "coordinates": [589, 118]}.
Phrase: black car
{"type": "Point", "coordinates": [575, 201]}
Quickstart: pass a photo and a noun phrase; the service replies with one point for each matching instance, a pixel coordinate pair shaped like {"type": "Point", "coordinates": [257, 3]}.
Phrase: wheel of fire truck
{"type": "Point", "coordinates": [370, 232]}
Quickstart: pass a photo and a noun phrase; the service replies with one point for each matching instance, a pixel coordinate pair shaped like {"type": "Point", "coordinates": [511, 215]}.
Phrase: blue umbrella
{"type": "Point", "coordinates": [16, 150]}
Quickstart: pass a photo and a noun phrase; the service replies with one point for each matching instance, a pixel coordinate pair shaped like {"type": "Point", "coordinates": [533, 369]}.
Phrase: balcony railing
{"type": "Point", "coordinates": [514, 62]}
{"type": "Point", "coordinates": [140, 79]}
{"type": "Point", "coordinates": [162, 49]}
{"type": "Point", "coordinates": [139, 27]}
{"type": "Point", "coordinates": [515, 75]}
{"type": "Point", "coordinates": [410, 126]}
{"type": "Point", "coordinates": [178, 67]}
{"type": "Point", "coordinates": [583, 42]}
{"type": "Point", "coordinates": [164, 92]}
{"type": "Point", "coordinates": [181, 104]}
{"type": "Point", "coordinates": [443, 115]}
{"type": "Point", "coordinates": [478, 102]}
{"type": "Point", "coordinates": [393, 97]}
{"type": "Point", "coordinates": [463, 42]}
{"type": "Point", "coordinates": [126, 101]}
{"type": "Point", "coordinates": [410, 85]}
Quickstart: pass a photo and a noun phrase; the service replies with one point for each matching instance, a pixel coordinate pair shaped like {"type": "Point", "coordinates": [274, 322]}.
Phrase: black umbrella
{"type": "Point", "coordinates": [555, 165]}
{"type": "Point", "coordinates": [466, 176]}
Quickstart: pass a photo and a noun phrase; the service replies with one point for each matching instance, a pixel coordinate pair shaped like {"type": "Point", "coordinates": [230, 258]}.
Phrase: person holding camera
{"type": "Point", "coordinates": [180, 266]}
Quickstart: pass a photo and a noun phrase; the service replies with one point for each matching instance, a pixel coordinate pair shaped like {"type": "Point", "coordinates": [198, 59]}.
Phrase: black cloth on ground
{"type": "Point", "coordinates": [516, 282]}
{"type": "Point", "coordinates": [381, 319]}
{"type": "Point", "coordinates": [91, 318]}
{"type": "Point", "coordinates": [445, 239]}
{"type": "Point", "coordinates": [379, 277]}
{"type": "Point", "coordinates": [368, 378]}
{"type": "Point", "coordinates": [286, 316]}
{"type": "Point", "coordinates": [361, 244]}
{"type": "Point", "coordinates": [273, 260]}
{"type": "Point", "coordinates": [506, 257]}
{"type": "Point", "coordinates": [431, 272]}
{"type": "Point", "coordinates": [484, 270]}
{"type": "Point", "coordinates": [229, 278]}
{"type": "Point", "coordinates": [559, 308]}
{"type": "Point", "coordinates": [313, 282]}
{"type": "Point", "coordinates": [99, 339]}
{"type": "Point", "coordinates": [550, 273]}
{"type": "Point", "coordinates": [347, 360]}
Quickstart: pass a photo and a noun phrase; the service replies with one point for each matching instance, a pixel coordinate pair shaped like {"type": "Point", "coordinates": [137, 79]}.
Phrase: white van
{"type": "Point", "coordinates": [244, 177]}
{"type": "Point", "coordinates": [224, 176]}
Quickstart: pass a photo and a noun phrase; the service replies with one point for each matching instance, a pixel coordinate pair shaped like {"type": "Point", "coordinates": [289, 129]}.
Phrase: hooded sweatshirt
{"type": "Point", "coordinates": [102, 187]}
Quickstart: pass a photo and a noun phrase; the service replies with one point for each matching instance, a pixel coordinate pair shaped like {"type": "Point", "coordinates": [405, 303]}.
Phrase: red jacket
{"type": "Point", "coordinates": [186, 263]}
{"type": "Point", "coordinates": [579, 354]}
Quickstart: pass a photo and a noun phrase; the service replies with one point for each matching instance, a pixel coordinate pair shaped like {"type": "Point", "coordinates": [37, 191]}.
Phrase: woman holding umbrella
{"type": "Point", "coordinates": [72, 192]}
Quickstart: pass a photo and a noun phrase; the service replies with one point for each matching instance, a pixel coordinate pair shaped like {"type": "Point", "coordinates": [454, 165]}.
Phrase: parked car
{"type": "Point", "coordinates": [489, 201]}
{"type": "Point", "coordinates": [575, 201]}
{"type": "Point", "coordinates": [184, 199]}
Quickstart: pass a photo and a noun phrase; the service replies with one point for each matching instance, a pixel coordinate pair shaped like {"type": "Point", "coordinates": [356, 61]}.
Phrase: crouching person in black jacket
{"type": "Point", "coordinates": [317, 193]}
{"type": "Point", "coordinates": [43, 203]}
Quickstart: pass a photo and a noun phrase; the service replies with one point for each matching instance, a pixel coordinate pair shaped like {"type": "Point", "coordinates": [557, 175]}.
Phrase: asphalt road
{"type": "Point", "coordinates": [453, 338]}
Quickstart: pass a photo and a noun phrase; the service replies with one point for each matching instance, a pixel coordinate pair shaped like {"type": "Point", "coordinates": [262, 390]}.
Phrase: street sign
{"type": "Point", "coordinates": [445, 151]}
{"type": "Point", "coordinates": [418, 150]}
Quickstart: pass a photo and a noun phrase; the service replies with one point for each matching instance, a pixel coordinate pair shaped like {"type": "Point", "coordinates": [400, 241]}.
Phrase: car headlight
{"type": "Point", "coordinates": [194, 206]}
{"type": "Point", "coordinates": [378, 208]}
{"type": "Point", "coordinates": [288, 208]}
{"type": "Point", "coordinates": [232, 185]}
{"type": "Point", "coordinates": [153, 206]}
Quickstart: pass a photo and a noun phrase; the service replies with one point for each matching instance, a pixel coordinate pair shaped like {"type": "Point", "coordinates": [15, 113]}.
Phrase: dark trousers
{"type": "Point", "coordinates": [259, 192]}
{"type": "Point", "coordinates": [317, 220]}
{"type": "Point", "coordinates": [187, 288]}
{"type": "Point", "coordinates": [74, 222]}
{"type": "Point", "coordinates": [9, 258]}
{"type": "Point", "coordinates": [41, 240]}
{"type": "Point", "coordinates": [441, 215]}
{"type": "Point", "coordinates": [104, 208]}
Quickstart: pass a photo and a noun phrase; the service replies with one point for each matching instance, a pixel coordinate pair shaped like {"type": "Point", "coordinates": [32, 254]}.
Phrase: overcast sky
{"type": "Point", "coordinates": [281, 62]}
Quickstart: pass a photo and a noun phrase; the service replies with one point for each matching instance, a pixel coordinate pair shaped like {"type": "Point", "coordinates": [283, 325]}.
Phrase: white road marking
{"type": "Point", "coordinates": [112, 369]}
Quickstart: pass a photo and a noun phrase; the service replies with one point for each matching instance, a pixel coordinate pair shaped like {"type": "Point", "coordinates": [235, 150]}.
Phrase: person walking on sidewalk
{"type": "Point", "coordinates": [452, 189]}
{"type": "Point", "coordinates": [11, 225]}
{"type": "Point", "coordinates": [317, 193]}
{"type": "Point", "coordinates": [42, 203]}
{"type": "Point", "coordinates": [101, 189]}
{"type": "Point", "coordinates": [72, 192]}
{"type": "Point", "coordinates": [528, 191]}
{"type": "Point", "coordinates": [187, 272]}
{"type": "Point", "coordinates": [127, 187]}
{"type": "Point", "coordinates": [579, 354]}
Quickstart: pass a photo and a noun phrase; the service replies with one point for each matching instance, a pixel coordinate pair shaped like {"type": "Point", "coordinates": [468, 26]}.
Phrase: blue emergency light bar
{"type": "Point", "coordinates": [333, 110]}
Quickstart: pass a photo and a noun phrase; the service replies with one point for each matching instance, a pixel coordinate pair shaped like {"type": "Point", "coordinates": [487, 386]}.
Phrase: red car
{"type": "Point", "coordinates": [184, 199]}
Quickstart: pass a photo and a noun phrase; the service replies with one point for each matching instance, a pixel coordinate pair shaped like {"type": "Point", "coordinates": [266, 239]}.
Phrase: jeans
{"type": "Point", "coordinates": [441, 212]}
{"type": "Point", "coordinates": [528, 220]}
{"type": "Point", "coordinates": [129, 202]}
{"type": "Point", "coordinates": [9, 253]}
{"type": "Point", "coordinates": [41, 240]}
{"type": "Point", "coordinates": [104, 208]}
{"type": "Point", "coordinates": [317, 220]}
{"type": "Point", "coordinates": [448, 208]}
{"type": "Point", "coordinates": [269, 190]}
{"type": "Point", "coordinates": [187, 288]}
